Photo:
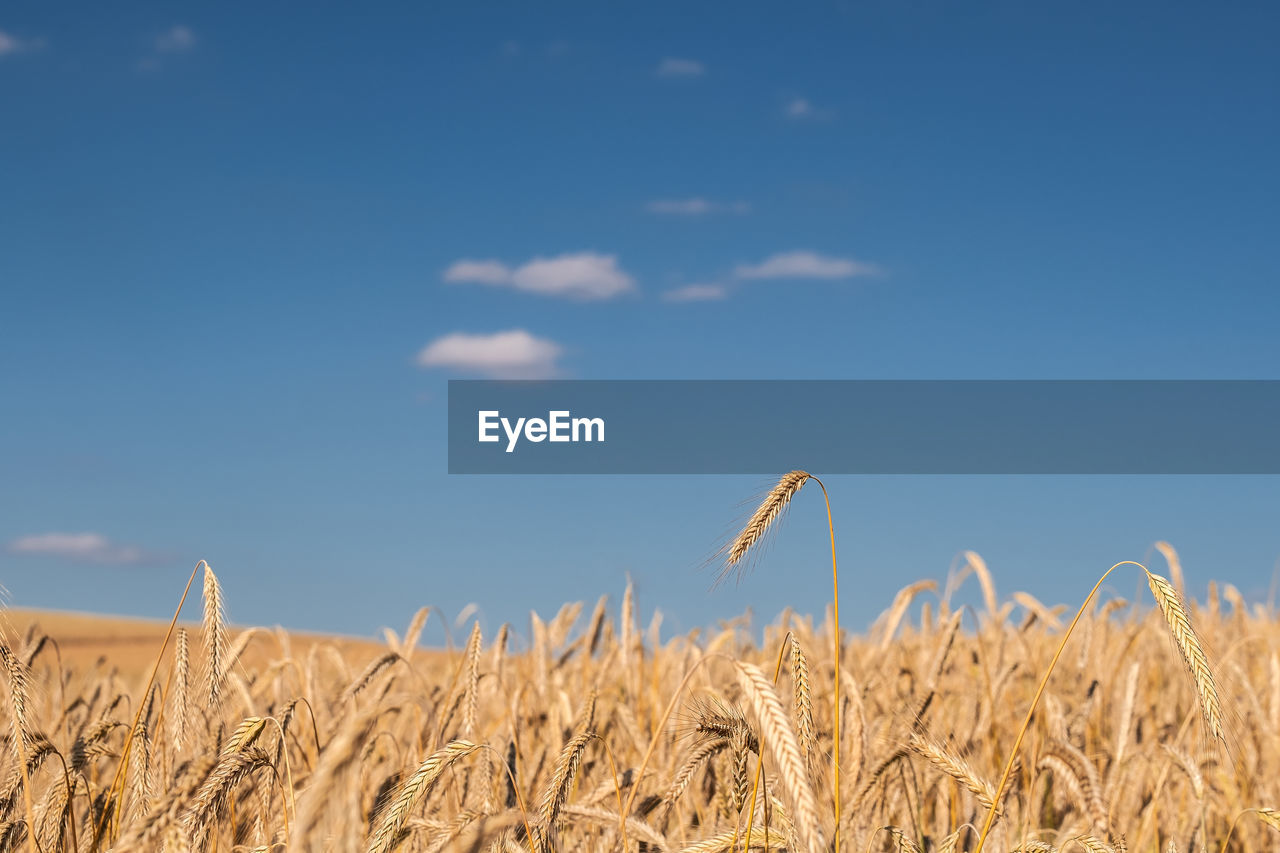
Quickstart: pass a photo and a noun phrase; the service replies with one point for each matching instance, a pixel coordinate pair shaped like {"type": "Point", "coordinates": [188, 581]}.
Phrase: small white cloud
{"type": "Point", "coordinates": [585, 275]}
{"type": "Point", "coordinates": [695, 207]}
{"type": "Point", "coordinates": [697, 293]}
{"type": "Point", "coordinates": [672, 67]}
{"type": "Point", "coordinates": [177, 39]}
{"type": "Point", "coordinates": [11, 45]}
{"type": "Point", "coordinates": [513, 354]}
{"type": "Point", "coordinates": [804, 264]}
{"type": "Point", "coordinates": [574, 275]}
{"type": "Point", "coordinates": [79, 547]}
{"type": "Point", "coordinates": [479, 272]}
{"type": "Point", "coordinates": [799, 108]}
{"type": "Point", "coordinates": [680, 207]}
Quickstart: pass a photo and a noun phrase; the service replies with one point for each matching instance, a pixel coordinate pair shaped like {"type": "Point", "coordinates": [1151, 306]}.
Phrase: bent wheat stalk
{"type": "Point", "coordinates": [1271, 817]}
{"type": "Point", "coordinates": [1189, 647]}
{"type": "Point", "coordinates": [770, 510]}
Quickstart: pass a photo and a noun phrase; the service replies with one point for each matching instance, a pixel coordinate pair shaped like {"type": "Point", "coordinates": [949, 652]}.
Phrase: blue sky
{"type": "Point", "coordinates": [243, 247]}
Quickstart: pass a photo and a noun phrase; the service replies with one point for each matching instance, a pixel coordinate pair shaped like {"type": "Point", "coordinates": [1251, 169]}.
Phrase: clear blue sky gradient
{"type": "Point", "coordinates": [219, 258]}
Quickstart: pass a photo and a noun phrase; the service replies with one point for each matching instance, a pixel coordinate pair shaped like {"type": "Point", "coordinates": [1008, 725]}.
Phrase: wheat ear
{"type": "Point", "coordinates": [955, 767]}
{"type": "Point", "coordinates": [770, 510]}
{"type": "Point", "coordinates": [557, 792]}
{"type": "Point", "coordinates": [783, 749]}
{"type": "Point", "coordinates": [804, 701]}
{"type": "Point", "coordinates": [414, 789]}
{"type": "Point", "coordinates": [699, 756]}
{"type": "Point", "coordinates": [21, 737]}
{"type": "Point", "coordinates": [470, 702]}
{"type": "Point", "coordinates": [181, 688]}
{"type": "Point", "coordinates": [214, 628]}
{"type": "Point", "coordinates": [761, 837]}
{"type": "Point", "coordinates": [1184, 636]}
{"type": "Point", "coordinates": [1079, 776]}
{"type": "Point", "coordinates": [214, 795]}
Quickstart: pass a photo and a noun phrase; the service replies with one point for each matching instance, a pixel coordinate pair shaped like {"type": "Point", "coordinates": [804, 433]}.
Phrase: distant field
{"type": "Point", "coordinates": [130, 645]}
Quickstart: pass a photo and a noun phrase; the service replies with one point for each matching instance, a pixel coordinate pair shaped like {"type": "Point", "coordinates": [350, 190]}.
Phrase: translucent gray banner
{"type": "Point", "coordinates": [864, 427]}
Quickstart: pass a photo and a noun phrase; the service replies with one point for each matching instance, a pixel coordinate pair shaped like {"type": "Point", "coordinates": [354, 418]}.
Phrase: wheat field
{"type": "Point", "coordinates": [1143, 738]}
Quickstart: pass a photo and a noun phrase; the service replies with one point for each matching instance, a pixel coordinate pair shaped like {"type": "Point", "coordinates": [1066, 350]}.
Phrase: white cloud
{"type": "Point", "coordinates": [697, 293]}
{"type": "Point", "coordinates": [804, 264]}
{"type": "Point", "coordinates": [478, 272]}
{"type": "Point", "coordinates": [585, 275]}
{"type": "Point", "coordinates": [799, 108]}
{"type": "Point", "coordinates": [11, 45]}
{"type": "Point", "coordinates": [513, 354]}
{"type": "Point", "coordinates": [673, 67]}
{"type": "Point", "coordinates": [695, 207]}
{"type": "Point", "coordinates": [574, 275]}
{"type": "Point", "coordinates": [177, 39]}
{"type": "Point", "coordinates": [79, 547]}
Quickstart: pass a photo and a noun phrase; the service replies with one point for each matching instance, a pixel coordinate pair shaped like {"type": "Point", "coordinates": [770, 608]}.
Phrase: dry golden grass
{"type": "Point", "coordinates": [1143, 740]}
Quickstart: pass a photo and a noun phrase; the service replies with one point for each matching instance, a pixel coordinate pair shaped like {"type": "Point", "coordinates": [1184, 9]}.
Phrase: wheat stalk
{"type": "Point", "coordinates": [769, 511]}
{"type": "Point", "coordinates": [1188, 644]}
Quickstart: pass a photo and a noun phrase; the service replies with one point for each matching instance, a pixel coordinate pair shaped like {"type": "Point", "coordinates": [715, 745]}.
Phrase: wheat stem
{"type": "Point", "coordinates": [1035, 701]}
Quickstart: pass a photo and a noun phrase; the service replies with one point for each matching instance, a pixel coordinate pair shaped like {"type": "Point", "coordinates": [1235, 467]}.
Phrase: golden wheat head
{"type": "Point", "coordinates": [770, 510]}
{"type": "Point", "coordinates": [1189, 646]}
